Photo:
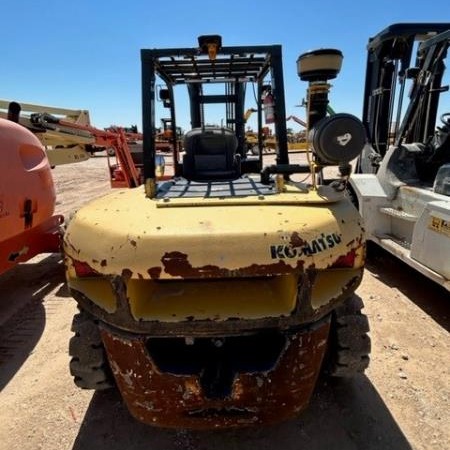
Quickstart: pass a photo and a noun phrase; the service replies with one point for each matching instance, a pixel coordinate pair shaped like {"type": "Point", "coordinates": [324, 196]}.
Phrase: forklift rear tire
{"type": "Point", "coordinates": [89, 364]}
{"type": "Point", "coordinates": [349, 342]}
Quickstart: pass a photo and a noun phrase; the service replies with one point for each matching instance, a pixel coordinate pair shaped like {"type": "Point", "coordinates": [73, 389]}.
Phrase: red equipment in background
{"type": "Point", "coordinates": [27, 198]}
{"type": "Point", "coordinates": [122, 174]}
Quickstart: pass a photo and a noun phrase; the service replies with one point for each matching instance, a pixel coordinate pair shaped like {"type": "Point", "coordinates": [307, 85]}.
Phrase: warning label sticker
{"type": "Point", "coordinates": [439, 225]}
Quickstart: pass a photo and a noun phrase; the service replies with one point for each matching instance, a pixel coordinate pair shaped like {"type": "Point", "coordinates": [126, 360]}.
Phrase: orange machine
{"type": "Point", "coordinates": [28, 225]}
{"type": "Point", "coordinates": [123, 173]}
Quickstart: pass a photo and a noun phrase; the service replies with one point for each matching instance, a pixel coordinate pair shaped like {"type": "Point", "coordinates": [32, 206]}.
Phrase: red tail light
{"type": "Point", "coordinates": [83, 269]}
{"type": "Point", "coordinates": [345, 261]}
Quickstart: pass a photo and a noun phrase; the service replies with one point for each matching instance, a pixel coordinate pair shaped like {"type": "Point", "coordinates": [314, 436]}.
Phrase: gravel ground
{"type": "Point", "coordinates": [402, 402]}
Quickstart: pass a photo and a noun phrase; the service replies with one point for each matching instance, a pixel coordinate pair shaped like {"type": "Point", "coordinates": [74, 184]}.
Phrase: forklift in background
{"type": "Point", "coordinates": [402, 180]}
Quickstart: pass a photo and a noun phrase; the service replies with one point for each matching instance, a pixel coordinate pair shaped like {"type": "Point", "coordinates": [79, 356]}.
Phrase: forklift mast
{"type": "Point", "coordinates": [389, 66]}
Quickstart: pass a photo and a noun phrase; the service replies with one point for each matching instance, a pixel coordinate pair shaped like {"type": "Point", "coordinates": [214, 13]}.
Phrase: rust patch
{"type": "Point", "coordinates": [154, 272]}
{"type": "Point", "coordinates": [179, 401]}
{"type": "Point", "coordinates": [126, 274]}
{"type": "Point", "coordinates": [296, 240]}
{"type": "Point", "coordinates": [176, 264]}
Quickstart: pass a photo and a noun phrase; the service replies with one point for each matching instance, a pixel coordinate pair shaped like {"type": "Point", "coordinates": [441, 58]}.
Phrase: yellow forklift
{"type": "Point", "coordinates": [216, 298]}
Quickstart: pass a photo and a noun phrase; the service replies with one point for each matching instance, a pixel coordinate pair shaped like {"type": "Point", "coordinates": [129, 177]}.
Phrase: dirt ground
{"type": "Point", "coordinates": [402, 402]}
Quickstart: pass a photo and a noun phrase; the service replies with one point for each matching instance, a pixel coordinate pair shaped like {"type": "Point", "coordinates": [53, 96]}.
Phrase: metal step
{"type": "Point", "coordinates": [401, 249]}
{"type": "Point", "coordinates": [389, 239]}
{"type": "Point", "coordinates": [398, 214]}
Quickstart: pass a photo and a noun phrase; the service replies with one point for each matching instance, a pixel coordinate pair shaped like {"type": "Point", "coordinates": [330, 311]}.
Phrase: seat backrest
{"type": "Point", "coordinates": [210, 153]}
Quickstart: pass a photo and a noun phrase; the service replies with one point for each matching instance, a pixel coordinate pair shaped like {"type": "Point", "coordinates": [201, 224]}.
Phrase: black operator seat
{"type": "Point", "coordinates": [210, 154]}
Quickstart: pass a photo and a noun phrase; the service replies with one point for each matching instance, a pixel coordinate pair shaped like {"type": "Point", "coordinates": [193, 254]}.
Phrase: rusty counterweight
{"type": "Point", "coordinates": [258, 379]}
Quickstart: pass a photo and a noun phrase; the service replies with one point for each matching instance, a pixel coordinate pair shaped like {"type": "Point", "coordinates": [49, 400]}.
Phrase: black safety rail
{"type": "Point", "coordinates": [232, 66]}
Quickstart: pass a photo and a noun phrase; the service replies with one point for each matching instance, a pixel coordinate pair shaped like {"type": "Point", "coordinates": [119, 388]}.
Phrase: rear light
{"type": "Point", "coordinates": [345, 261]}
{"type": "Point", "coordinates": [83, 269]}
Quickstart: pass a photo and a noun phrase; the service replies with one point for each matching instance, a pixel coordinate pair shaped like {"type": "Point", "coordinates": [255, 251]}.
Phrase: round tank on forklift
{"type": "Point", "coordinates": [319, 65]}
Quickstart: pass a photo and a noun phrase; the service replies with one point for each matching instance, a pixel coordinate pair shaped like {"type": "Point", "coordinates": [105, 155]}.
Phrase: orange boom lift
{"type": "Point", "coordinates": [28, 225]}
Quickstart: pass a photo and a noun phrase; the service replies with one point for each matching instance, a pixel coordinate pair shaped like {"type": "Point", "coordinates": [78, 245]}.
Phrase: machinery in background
{"type": "Point", "coordinates": [164, 135]}
{"type": "Point", "coordinates": [215, 298]}
{"type": "Point", "coordinates": [268, 140]}
{"type": "Point", "coordinates": [63, 144]}
{"type": "Point", "coordinates": [298, 141]}
{"type": "Point", "coordinates": [28, 225]}
{"type": "Point", "coordinates": [69, 137]}
{"type": "Point", "coordinates": [402, 187]}
{"type": "Point", "coordinates": [299, 121]}
{"type": "Point", "coordinates": [123, 170]}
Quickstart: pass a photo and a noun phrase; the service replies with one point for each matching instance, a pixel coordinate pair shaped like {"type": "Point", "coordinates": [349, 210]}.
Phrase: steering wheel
{"type": "Point", "coordinates": [445, 119]}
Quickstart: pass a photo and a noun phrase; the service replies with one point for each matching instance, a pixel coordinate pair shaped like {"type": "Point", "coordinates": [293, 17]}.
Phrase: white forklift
{"type": "Point", "coordinates": [402, 180]}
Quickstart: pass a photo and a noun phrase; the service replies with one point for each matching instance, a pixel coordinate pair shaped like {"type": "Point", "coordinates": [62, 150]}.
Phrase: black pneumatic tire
{"type": "Point", "coordinates": [349, 342]}
{"type": "Point", "coordinates": [89, 364]}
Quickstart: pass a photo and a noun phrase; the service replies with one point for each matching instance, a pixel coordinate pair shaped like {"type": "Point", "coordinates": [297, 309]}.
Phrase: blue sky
{"type": "Point", "coordinates": [86, 54]}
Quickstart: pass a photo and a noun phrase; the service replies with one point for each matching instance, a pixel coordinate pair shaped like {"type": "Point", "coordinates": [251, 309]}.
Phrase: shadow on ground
{"type": "Point", "coordinates": [22, 313]}
{"type": "Point", "coordinates": [429, 296]}
{"type": "Point", "coordinates": [343, 414]}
